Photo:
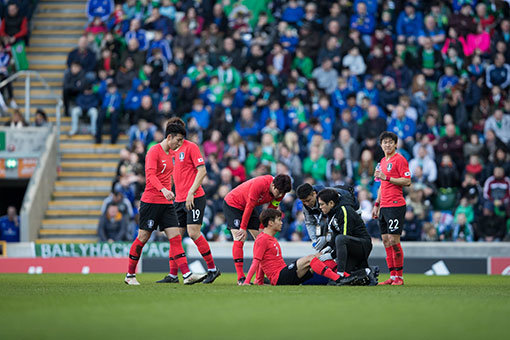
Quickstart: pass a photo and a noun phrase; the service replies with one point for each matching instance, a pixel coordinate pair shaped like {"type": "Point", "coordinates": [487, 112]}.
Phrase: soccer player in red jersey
{"type": "Point", "coordinates": [189, 172]}
{"type": "Point", "coordinates": [238, 208]}
{"type": "Point", "coordinates": [390, 205]}
{"type": "Point", "coordinates": [156, 207]}
{"type": "Point", "coordinates": [268, 255]}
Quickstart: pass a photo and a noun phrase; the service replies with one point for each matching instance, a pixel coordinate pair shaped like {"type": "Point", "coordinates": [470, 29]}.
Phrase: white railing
{"type": "Point", "coordinates": [58, 100]}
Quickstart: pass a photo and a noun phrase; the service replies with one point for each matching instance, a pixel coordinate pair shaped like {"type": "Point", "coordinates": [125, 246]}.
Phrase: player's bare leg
{"type": "Point", "coordinates": [134, 256]}
{"type": "Point", "coordinates": [177, 252]}
{"type": "Point", "coordinates": [392, 242]}
{"type": "Point", "coordinates": [205, 250]}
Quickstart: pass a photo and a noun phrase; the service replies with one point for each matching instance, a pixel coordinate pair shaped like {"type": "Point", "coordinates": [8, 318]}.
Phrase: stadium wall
{"type": "Point", "coordinates": [423, 258]}
{"type": "Point", "coordinates": [39, 190]}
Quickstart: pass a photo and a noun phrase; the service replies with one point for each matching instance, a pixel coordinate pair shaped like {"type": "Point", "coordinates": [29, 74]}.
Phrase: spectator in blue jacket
{"type": "Point", "coordinates": [86, 102]}
{"type": "Point", "coordinates": [247, 126]}
{"type": "Point", "coordinates": [401, 125]}
{"type": "Point", "coordinates": [158, 22]}
{"type": "Point", "coordinates": [448, 80]}
{"type": "Point", "coordinates": [326, 116]}
{"type": "Point", "coordinates": [9, 226]}
{"type": "Point", "coordinates": [409, 24]}
{"type": "Point", "coordinates": [162, 44]}
{"type": "Point", "coordinates": [109, 109]}
{"type": "Point", "coordinates": [137, 33]}
{"type": "Point", "coordinates": [200, 114]}
{"type": "Point", "coordinates": [133, 99]}
{"type": "Point", "coordinates": [498, 74]}
{"type": "Point", "coordinates": [370, 4]}
{"type": "Point", "coordinates": [273, 112]}
{"type": "Point", "coordinates": [99, 8]}
{"type": "Point", "coordinates": [364, 22]}
{"type": "Point", "coordinates": [143, 131]}
{"type": "Point", "coordinates": [293, 13]}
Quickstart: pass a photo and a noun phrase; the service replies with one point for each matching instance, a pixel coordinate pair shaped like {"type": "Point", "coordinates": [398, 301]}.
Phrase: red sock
{"type": "Point", "coordinates": [174, 270]}
{"type": "Point", "coordinates": [178, 254]}
{"type": "Point", "coordinates": [134, 255]}
{"type": "Point", "coordinates": [331, 264]}
{"type": "Point", "coordinates": [205, 251]}
{"type": "Point", "coordinates": [321, 269]}
{"type": "Point", "coordinates": [398, 259]}
{"type": "Point", "coordinates": [390, 261]}
{"type": "Point", "coordinates": [238, 255]}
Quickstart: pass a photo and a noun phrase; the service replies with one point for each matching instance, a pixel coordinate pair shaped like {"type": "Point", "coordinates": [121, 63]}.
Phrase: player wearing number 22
{"type": "Point", "coordinates": [157, 210]}
{"type": "Point", "coordinates": [189, 172]}
{"type": "Point", "coordinates": [390, 205]}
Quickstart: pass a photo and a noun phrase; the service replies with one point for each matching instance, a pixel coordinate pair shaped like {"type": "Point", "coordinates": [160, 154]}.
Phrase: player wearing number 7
{"type": "Point", "coordinates": [189, 172]}
{"type": "Point", "coordinates": [390, 205]}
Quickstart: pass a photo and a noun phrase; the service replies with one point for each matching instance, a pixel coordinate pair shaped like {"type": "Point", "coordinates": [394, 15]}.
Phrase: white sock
{"type": "Point", "coordinates": [172, 276]}
{"type": "Point", "coordinates": [212, 270]}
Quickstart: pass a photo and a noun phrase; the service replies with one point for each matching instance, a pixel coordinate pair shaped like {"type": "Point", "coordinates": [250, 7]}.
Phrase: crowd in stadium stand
{"type": "Point", "coordinates": [305, 88]}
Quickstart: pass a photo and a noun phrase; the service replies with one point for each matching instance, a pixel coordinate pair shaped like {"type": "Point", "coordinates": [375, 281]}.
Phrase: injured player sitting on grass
{"type": "Point", "coordinates": [268, 254]}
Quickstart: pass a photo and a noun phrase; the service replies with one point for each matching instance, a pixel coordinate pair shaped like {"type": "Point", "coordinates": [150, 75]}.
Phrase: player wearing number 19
{"type": "Point", "coordinates": [157, 208]}
{"type": "Point", "coordinates": [390, 205]}
{"type": "Point", "coordinates": [189, 172]}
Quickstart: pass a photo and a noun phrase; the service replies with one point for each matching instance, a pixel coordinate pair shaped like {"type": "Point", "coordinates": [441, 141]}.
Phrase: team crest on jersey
{"type": "Point", "coordinates": [181, 156]}
{"type": "Point", "coordinates": [389, 166]}
{"type": "Point", "coordinates": [237, 223]}
{"type": "Point", "coordinates": [200, 160]}
{"type": "Point", "coordinates": [407, 174]}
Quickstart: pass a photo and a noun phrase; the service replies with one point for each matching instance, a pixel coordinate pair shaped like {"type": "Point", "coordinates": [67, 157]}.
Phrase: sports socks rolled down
{"type": "Point", "coordinates": [205, 251]}
{"type": "Point", "coordinates": [134, 255]}
{"type": "Point", "coordinates": [322, 269]}
{"type": "Point", "coordinates": [177, 252]}
{"type": "Point", "coordinates": [398, 260]}
{"type": "Point", "coordinates": [238, 255]}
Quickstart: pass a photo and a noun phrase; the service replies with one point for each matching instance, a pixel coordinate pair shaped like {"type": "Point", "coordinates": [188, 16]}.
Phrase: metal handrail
{"type": "Point", "coordinates": [58, 99]}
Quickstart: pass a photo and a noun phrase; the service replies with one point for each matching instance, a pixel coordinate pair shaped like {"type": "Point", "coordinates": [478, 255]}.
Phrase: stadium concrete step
{"type": "Point", "coordinates": [72, 213]}
{"type": "Point", "coordinates": [63, 223]}
{"type": "Point", "coordinates": [78, 196]}
{"type": "Point", "coordinates": [66, 232]}
{"type": "Point", "coordinates": [83, 185]}
{"type": "Point", "coordinates": [88, 138]}
{"type": "Point", "coordinates": [92, 166]}
{"type": "Point", "coordinates": [71, 204]}
{"type": "Point", "coordinates": [91, 148]}
{"type": "Point", "coordinates": [86, 174]}
{"type": "Point", "coordinates": [89, 156]}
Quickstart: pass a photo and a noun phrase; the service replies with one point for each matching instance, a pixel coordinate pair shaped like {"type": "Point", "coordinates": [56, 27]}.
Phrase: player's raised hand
{"type": "Point", "coordinates": [190, 201]}
{"type": "Point", "coordinates": [380, 175]}
{"type": "Point", "coordinates": [375, 212]}
{"type": "Point", "coordinates": [169, 195]}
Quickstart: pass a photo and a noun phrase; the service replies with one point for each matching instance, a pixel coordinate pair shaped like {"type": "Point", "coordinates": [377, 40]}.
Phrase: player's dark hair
{"type": "Point", "coordinates": [175, 129]}
{"type": "Point", "coordinates": [269, 215]}
{"type": "Point", "coordinates": [328, 195]}
{"type": "Point", "coordinates": [386, 135]}
{"type": "Point", "coordinates": [282, 183]}
{"type": "Point", "coordinates": [304, 190]}
{"type": "Point", "coordinates": [176, 120]}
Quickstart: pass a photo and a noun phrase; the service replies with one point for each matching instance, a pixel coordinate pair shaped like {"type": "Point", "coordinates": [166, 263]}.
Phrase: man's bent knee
{"type": "Point", "coordinates": [194, 231]}
{"type": "Point", "coordinates": [341, 239]}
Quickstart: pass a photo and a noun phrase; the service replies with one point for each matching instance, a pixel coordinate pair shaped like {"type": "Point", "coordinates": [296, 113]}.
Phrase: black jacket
{"type": "Point", "coordinates": [344, 220]}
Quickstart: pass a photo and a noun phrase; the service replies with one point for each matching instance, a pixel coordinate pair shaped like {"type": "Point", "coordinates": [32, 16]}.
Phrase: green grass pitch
{"type": "Point", "coordinates": [100, 306]}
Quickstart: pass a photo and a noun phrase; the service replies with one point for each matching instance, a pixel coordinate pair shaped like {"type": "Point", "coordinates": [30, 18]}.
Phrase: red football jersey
{"type": "Point", "coordinates": [250, 194]}
{"type": "Point", "coordinates": [158, 173]}
{"type": "Point", "coordinates": [395, 167]}
{"type": "Point", "coordinates": [186, 160]}
{"type": "Point", "coordinates": [267, 250]}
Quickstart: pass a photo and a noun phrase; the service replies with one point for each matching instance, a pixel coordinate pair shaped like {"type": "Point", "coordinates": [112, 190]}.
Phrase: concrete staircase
{"type": "Point", "coordinates": [87, 169]}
